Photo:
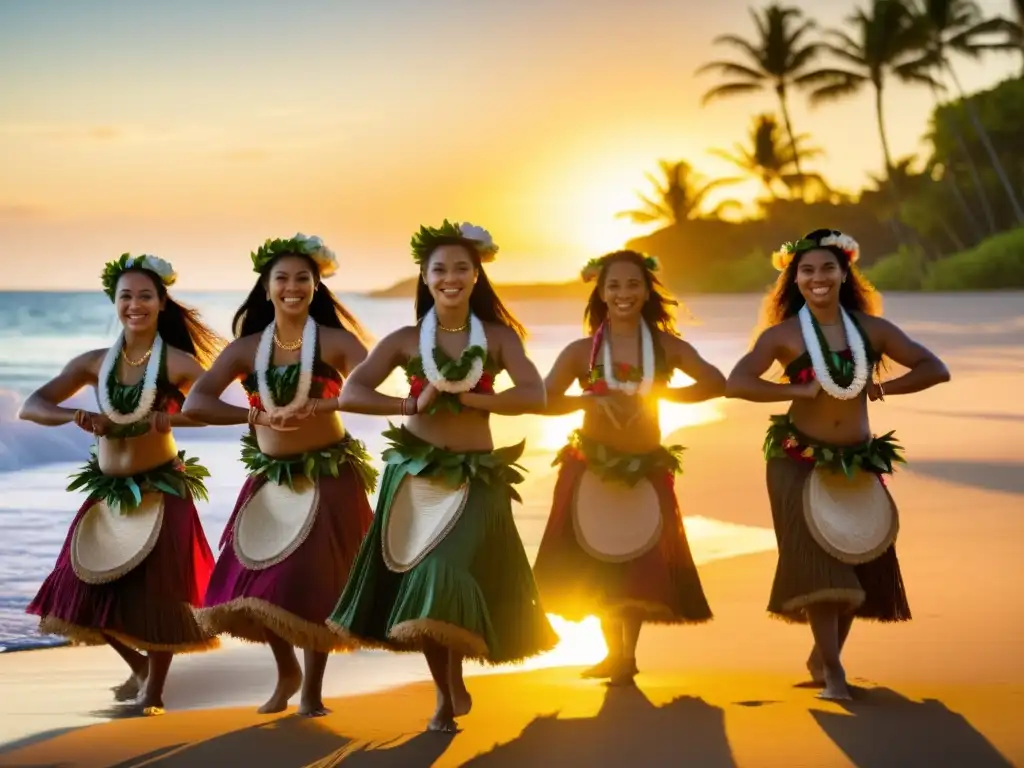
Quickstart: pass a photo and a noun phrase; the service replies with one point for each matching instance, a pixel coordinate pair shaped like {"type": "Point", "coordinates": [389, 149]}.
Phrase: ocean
{"type": "Point", "coordinates": [40, 332]}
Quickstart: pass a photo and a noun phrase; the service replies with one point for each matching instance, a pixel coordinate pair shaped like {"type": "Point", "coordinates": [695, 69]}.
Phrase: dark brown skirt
{"type": "Point", "coordinates": [662, 585]}
{"type": "Point", "coordinates": [806, 574]}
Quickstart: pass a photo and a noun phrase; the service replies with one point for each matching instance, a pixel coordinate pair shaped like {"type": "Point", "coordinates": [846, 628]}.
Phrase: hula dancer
{"type": "Point", "coordinates": [835, 522]}
{"type": "Point", "coordinates": [443, 569]}
{"type": "Point", "coordinates": [302, 513]}
{"type": "Point", "coordinates": [135, 562]}
{"type": "Point", "coordinates": [615, 545]}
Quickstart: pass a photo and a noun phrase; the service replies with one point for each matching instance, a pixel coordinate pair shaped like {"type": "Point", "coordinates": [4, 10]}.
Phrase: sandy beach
{"type": "Point", "coordinates": [946, 689]}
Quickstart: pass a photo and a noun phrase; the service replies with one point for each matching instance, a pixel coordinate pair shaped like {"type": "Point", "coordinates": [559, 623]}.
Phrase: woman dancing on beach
{"type": "Point", "coordinates": [834, 520]}
{"type": "Point", "coordinates": [303, 511]}
{"type": "Point", "coordinates": [135, 561]}
{"type": "Point", "coordinates": [615, 545]}
{"type": "Point", "coordinates": [443, 569]}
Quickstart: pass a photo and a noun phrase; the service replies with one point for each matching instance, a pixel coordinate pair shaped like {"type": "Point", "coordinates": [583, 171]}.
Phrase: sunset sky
{"type": "Point", "coordinates": [194, 132]}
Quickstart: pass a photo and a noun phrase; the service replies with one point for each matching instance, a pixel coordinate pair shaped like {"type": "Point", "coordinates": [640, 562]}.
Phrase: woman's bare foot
{"type": "Point", "coordinates": [287, 686]}
{"type": "Point", "coordinates": [312, 708]}
{"type": "Point", "coordinates": [835, 686]}
{"type": "Point", "coordinates": [462, 702]}
{"type": "Point", "coordinates": [129, 690]}
{"type": "Point", "coordinates": [443, 720]}
{"type": "Point", "coordinates": [624, 673]}
{"type": "Point", "coordinates": [816, 667]}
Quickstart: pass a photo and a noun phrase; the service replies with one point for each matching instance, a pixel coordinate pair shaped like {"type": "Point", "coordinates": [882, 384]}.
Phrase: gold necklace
{"type": "Point", "coordinates": [135, 363]}
{"type": "Point", "coordinates": [291, 346]}
{"type": "Point", "coordinates": [460, 329]}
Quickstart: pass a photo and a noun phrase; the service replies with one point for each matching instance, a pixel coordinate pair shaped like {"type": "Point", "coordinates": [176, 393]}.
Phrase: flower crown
{"type": "Point", "coordinates": [427, 239]}
{"type": "Point", "coordinates": [113, 270]}
{"type": "Point", "coordinates": [782, 257]}
{"type": "Point", "coordinates": [300, 245]}
{"type": "Point", "coordinates": [592, 269]}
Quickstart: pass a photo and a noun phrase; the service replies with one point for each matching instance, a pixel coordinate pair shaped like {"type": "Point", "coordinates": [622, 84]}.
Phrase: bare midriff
{"type": "Point", "coordinates": [469, 430]}
{"type": "Point", "coordinates": [121, 457]}
{"type": "Point", "coordinates": [317, 432]}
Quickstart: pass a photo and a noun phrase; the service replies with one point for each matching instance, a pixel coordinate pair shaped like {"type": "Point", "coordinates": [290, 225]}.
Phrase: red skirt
{"type": "Point", "coordinates": [661, 585]}
{"type": "Point", "coordinates": [150, 608]}
{"type": "Point", "coordinates": [294, 597]}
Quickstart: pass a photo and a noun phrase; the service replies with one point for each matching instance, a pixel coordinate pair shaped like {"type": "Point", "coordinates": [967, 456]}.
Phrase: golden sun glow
{"type": "Point", "coordinates": [580, 643]}
{"type": "Point", "coordinates": [554, 430]}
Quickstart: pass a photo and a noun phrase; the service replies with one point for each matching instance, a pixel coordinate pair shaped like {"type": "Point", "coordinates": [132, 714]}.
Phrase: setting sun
{"type": "Point", "coordinates": [581, 643]}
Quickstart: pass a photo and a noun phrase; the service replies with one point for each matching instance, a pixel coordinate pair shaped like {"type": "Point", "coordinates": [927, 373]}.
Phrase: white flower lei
{"type": "Point", "coordinates": [148, 396]}
{"type": "Point", "coordinates": [262, 365]}
{"type": "Point", "coordinates": [428, 339]}
{"type": "Point", "coordinates": [856, 343]}
{"type": "Point", "coordinates": [642, 387]}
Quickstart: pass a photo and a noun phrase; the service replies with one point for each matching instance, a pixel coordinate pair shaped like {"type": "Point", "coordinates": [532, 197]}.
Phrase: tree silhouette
{"type": "Point", "coordinates": [782, 55]}
{"type": "Point", "coordinates": [773, 159]}
{"type": "Point", "coordinates": [679, 196]}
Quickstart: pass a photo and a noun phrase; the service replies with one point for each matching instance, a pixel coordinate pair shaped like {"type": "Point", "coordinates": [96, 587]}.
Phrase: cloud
{"type": "Point", "coordinates": [63, 131]}
{"type": "Point", "coordinates": [20, 211]}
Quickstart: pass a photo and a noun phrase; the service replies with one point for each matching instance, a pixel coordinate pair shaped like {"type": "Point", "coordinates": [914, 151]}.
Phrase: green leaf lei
{"type": "Point", "coordinates": [423, 459]}
{"type": "Point", "coordinates": [876, 455]}
{"type": "Point", "coordinates": [179, 477]}
{"type": "Point", "coordinates": [452, 370]}
{"type": "Point", "coordinates": [610, 464]}
{"type": "Point", "coordinates": [311, 464]}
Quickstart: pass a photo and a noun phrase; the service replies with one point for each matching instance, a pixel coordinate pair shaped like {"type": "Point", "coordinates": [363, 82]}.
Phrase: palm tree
{"type": "Point", "coordinates": [1016, 30]}
{"type": "Point", "coordinates": [958, 26]}
{"type": "Point", "coordinates": [679, 196]}
{"type": "Point", "coordinates": [888, 44]}
{"type": "Point", "coordinates": [773, 159]}
{"type": "Point", "coordinates": [780, 56]}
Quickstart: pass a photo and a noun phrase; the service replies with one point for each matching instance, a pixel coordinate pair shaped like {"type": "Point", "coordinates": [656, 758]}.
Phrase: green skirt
{"type": "Point", "coordinates": [473, 590]}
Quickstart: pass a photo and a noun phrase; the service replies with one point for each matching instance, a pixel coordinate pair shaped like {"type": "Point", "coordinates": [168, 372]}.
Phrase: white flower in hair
{"type": "Point", "coordinates": [313, 246]}
{"type": "Point", "coordinates": [484, 242]}
{"type": "Point", "coordinates": [155, 264]}
{"type": "Point", "coordinates": [845, 243]}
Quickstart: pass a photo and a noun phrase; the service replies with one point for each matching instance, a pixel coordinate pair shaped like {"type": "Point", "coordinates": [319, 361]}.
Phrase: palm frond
{"type": "Point", "coordinates": [733, 69]}
{"type": "Point", "coordinates": [838, 90]}
{"type": "Point", "coordinates": [735, 41]}
{"type": "Point", "coordinates": [729, 89]}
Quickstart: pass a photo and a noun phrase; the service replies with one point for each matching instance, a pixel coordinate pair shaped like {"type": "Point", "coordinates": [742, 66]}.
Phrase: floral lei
{"type": "Point", "coordinates": [107, 378]}
{"type": "Point", "coordinates": [264, 354]}
{"type": "Point", "coordinates": [817, 346]}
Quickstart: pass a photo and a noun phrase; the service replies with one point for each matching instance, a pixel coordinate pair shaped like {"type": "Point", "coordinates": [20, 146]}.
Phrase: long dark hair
{"type": "Point", "coordinates": [483, 301]}
{"type": "Point", "coordinates": [180, 326]}
{"type": "Point", "coordinates": [656, 311]}
{"type": "Point", "coordinates": [257, 310]}
{"type": "Point", "coordinates": [855, 294]}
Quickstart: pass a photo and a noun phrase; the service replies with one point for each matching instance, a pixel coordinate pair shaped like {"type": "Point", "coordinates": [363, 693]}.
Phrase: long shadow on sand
{"type": "Point", "coordinates": [887, 730]}
{"type": "Point", "coordinates": [296, 742]}
{"type": "Point", "coordinates": [627, 730]}
{"type": "Point", "coordinates": [1004, 476]}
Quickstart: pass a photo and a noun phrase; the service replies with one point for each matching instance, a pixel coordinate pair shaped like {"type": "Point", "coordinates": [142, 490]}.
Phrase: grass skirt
{"type": "Point", "coordinates": [806, 574]}
{"type": "Point", "coordinates": [150, 608]}
{"type": "Point", "coordinates": [662, 585]}
{"type": "Point", "coordinates": [473, 593]}
{"type": "Point", "coordinates": [294, 597]}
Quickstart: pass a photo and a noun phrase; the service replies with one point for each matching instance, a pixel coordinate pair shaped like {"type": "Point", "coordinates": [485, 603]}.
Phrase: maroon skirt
{"type": "Point", "coordinates": [293, 598]}
{"type": "Point", "coordinates": [661, 585]}
{"type": "Point", "coordinates": [150, 608]}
